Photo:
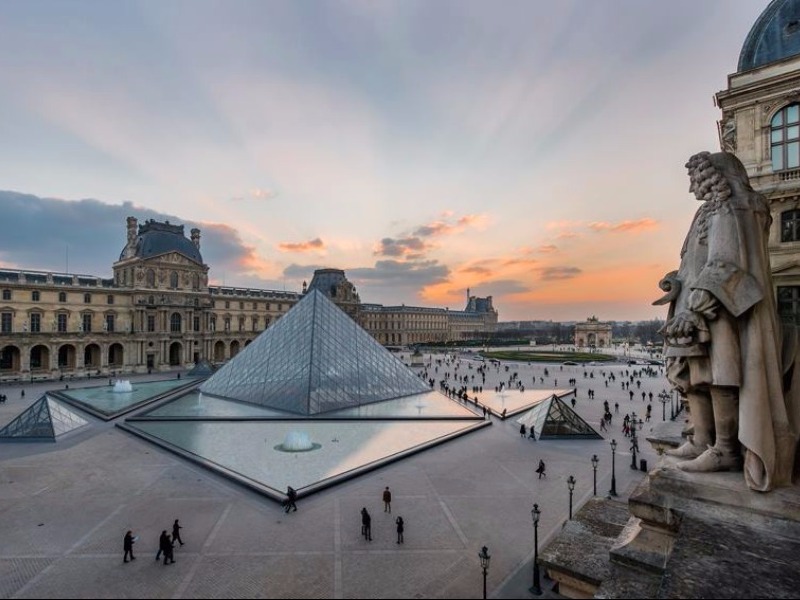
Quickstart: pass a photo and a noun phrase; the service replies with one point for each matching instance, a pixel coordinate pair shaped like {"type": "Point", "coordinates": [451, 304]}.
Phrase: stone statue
{"type": "Point", "coordinates": [723, 339]}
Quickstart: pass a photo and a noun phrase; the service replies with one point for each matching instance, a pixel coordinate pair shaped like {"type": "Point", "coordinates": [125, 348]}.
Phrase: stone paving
{"type": "Point", "coordinates": [65, 507]}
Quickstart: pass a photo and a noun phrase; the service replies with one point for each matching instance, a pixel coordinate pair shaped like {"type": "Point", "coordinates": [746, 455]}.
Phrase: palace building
{"type": "Point", "coordinates": [760, 124]}
{"type": "Point", "coordinates": [158, 312]}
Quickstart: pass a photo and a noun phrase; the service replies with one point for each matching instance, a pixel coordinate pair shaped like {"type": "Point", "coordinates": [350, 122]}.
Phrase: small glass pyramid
{"type": "Point", "coordinates": [44, 419]}
{"type": "Point", "coordinates": [313, 360]}
{"type": "Point", "coordinates": [552, 418]}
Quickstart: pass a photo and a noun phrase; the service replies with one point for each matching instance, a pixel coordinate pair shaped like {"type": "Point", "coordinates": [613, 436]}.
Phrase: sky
{"type": "Point", "coordinates": [532, 151]}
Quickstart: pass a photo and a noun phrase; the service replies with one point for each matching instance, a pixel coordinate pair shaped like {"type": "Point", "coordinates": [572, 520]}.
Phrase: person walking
{"type": "Point", "coordinates": [366, 524]}
{"type": "Point", "coordinates": [163, 543]}
{"type": "Point", "coordinates": [291, 498]}
{"type": "Point", "coordinates": [127, 546]}
{"type": "Point", "coordinates": [522, 430]}
{"type": "Point", "coordinates": [400, 528]}
{"type": "Point", "coordinates": [176, 533]}
{"type": "Point", "coordinates": [387, 500]}
{"type": "Point", "coordinates": [541, 469]}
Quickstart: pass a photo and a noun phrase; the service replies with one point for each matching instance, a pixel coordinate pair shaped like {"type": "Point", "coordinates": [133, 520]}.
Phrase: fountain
{"type": "Point", "coordinates": [297, 441]}
{"type": "Point", "coordinates": [122, 387]}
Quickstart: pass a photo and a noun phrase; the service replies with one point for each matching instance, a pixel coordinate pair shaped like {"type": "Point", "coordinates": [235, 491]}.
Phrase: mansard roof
{"type": "Point", "coordinates": [156, 239]}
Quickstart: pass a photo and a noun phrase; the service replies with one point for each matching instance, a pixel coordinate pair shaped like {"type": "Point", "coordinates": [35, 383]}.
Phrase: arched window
{"type": "Point", "coordinates": [62, 296]}
{"type": "Point", "coordinates": [785, 138]}
{"type": "Point", "coordinates": [151, 278]}
{"type": "Point", "coordinates": [175, 323]}
{"type": "Point", "coordinates": [173, 280]}
{"type": "Point", "coordinates": [790, 226]}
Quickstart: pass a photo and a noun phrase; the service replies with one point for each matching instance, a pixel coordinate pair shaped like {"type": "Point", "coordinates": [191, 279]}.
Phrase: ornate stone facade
{"type": "Point", "coordinates": [158, 312]}
{"type": "Point", "coordinates": [760, 124]}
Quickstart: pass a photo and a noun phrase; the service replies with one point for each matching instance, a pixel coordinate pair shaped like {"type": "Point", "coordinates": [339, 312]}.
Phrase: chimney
{"type": "Point", "coordinates": [130, 248]}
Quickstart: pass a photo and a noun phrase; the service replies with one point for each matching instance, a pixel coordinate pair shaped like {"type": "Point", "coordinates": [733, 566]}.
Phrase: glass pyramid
{"type": "Point", "coordinates": [552, 418]}
{"type": "Point", "coordinates": [45, 418]}
{"type": "Point", "coordinates": [313, 360]}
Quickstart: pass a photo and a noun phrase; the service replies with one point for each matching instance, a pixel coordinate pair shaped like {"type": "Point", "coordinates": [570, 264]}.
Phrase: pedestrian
{"type": "Point", "coordinates": [522, 430]}
{"type": "Point", "coordinates": [163, 543]}
{"type": "Point", "coordinates": [366, 524]}
{"type": "Point", "coordinates": [176, 533]}
{"type": "Point", "coordinates": [169, 554]}
{"type": "Point", "coordinates": [503, 414]}
{"type": "Point", "coordinates": [602, 425]}
{"type": "Point", "coordinates": [127, 546]}
{"type": "Point", "coordinates": [387, 500]}
{"type": "Point", "coordinates": [540, 469]}
{"type": "Point", "coordinates": [291, 497]}
{"type": "Point", "coordinates": [400, 524]}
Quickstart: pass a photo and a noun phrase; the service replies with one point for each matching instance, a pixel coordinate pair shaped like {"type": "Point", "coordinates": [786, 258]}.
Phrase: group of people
{"type": "Point", "coordinates": [166, 544]}
{"type": "Point", "coordinates": [366, 518]}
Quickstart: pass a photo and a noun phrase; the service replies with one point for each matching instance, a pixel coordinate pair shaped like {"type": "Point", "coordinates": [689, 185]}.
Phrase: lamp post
{"type": "Point", "coordinates": [485, 558]}
{"type": "Point", "coordinates": [613, 490]}
{"type": "Point", "coordinates": [634, 444]}
{"type": "Point", "coordinates": [672, 405]}
{"type": "Point", "coordinates": [595, 460]}
{"type": "Point", "coordinates": [536, 590]}
{"type": "Point", "coordinates": [664, 397]}
{"type": "Point", "coordinates": [571, 486]}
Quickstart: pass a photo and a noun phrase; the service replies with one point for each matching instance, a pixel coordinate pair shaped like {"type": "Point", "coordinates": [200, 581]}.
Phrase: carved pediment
{"type": "Point", "coordinates": [173, 258]}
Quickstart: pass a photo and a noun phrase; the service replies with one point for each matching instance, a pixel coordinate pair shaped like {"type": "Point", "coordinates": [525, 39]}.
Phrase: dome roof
{"type": "Point", "coordinates": [774, 36]}
{"type": "Point", "coordinates": [156, 238]}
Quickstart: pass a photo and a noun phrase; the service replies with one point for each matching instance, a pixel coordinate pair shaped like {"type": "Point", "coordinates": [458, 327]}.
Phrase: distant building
{"type": "Point", "coordinates": [593, 334]}
{"type": "Point", "coordinates": [158, 312]}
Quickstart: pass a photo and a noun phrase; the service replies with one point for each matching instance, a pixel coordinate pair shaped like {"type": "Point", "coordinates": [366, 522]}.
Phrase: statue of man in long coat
{"type": "Point", "coordinates": [723, 337]}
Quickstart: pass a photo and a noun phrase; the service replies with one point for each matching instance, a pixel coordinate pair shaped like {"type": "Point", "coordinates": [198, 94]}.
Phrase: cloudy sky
{"type": "Point", "coordinates": [532, 150]}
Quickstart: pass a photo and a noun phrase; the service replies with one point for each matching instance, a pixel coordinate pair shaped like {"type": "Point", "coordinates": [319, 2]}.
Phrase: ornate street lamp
{"type": "Point", "coordinates": [536, 590]}
{"type": "Point", "coordinates": [634, 443]}
{"type": "Point", "coordinates": [571, 486]}
{"type": "Point", "coordinates": [613, 490]}
{"type": "Point", "coordinates": [595, 460]}
{"type": "Point", "coordinates": [664, 397]}
{"type": "Point", "coordinates": [485, 558]}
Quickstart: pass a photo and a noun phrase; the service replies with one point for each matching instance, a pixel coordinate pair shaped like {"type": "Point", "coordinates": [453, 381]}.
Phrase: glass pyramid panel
{"type": "Point", "coordinates": [45, 418]}
{"type": "Point", "coordinates": [553, 418]}
{"type": "Point", "coordinates": [313, 360]}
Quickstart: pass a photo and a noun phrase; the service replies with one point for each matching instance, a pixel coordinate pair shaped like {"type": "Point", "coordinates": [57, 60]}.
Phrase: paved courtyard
{"type": "Point", "coordinates": [65, 507]}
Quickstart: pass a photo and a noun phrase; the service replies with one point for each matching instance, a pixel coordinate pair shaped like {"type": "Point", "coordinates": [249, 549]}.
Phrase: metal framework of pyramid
{"type": "Point", "coordinates": [553, 418]}
{"type": "Point", "coordinates": [45, 419]}
{"type": "Point", "coordinates": [313, 360]}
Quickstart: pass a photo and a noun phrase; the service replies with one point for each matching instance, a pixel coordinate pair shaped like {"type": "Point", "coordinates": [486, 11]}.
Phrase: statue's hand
{"type": "Point", "coordinates": [683, 325]}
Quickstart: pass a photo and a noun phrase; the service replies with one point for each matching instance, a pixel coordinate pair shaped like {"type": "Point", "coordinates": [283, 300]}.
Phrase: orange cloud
{"type": "Point", "coordinates": [637, 226]}
{"type": "Point", "coordinates": [309, 246]}
{"type": "Point", "coordinates": [547, 248]}
{"type": "Point", "coordinates": [563, 224]}
{"type": "Point", "coordinates": [445, 227]}
{"type": "Point", "coordinates": [568, 235]}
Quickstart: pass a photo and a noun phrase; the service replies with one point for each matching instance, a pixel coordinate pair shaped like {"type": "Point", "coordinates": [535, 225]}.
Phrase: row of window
{"type": "Point", "coordinates": [60, 324]}
{"type": "Point", "coordinates": [267, 305]}
{"type": "Point", "coordinates": [36, 296]}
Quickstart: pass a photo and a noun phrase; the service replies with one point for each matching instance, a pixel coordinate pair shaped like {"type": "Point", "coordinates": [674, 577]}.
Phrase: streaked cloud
{"type": "Point", "coordinates": [552, 273]}
{"type": "Point", "coordinates": [636, 226]}
{"type": "Point", "coordinates": [411, 247]}
{"type": "Point", "coordinates": [314, 245]}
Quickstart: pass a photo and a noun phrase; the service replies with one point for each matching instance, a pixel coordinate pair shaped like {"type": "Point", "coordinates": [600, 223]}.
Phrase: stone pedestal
{"type": "Point", "coordinates": [687, 535]}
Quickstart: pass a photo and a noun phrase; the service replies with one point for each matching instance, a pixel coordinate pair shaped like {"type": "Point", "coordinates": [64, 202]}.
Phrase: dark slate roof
{"type": "Point", "coordinates": [774, 36]}
{"type": "Point", "coordinates": [156, 238]}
